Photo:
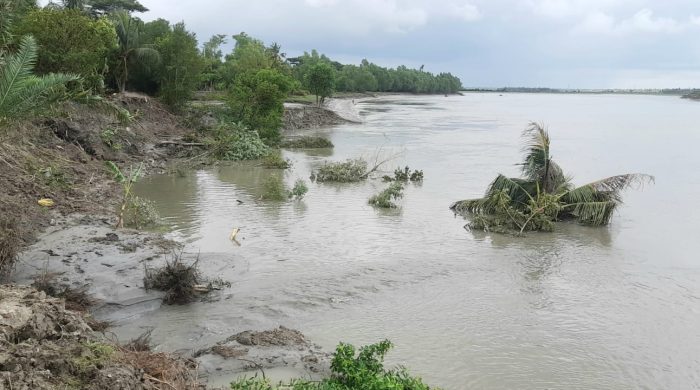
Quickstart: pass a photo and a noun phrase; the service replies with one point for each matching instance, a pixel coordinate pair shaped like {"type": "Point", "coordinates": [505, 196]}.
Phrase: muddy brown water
{"type": "Point", "coordinates": [581, 308]}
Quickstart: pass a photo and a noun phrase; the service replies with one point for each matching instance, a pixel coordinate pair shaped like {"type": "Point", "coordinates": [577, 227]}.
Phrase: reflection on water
{"type": "Point", "coordinates": [579, 308]}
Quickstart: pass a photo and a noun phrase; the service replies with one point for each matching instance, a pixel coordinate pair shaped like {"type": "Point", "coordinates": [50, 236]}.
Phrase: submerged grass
{"type": "Point", "coordinates": [274, 160]}
{"type": "Point", "coordinates": [307, 142]}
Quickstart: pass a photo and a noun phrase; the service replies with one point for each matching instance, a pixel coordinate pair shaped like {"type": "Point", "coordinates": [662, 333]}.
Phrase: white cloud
{"type": "Point", "coordinates": [465, 11]}
{"type": "Point", "coordinates": [320, 3]}
{"type": "Point", "coordinates": [695, 19]}
{"type": "Point", "coordinates": [643, 21]}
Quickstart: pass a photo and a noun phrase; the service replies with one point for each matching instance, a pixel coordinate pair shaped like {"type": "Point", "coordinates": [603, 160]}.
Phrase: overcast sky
{"type": "Point", "coordinates": [487, 43]}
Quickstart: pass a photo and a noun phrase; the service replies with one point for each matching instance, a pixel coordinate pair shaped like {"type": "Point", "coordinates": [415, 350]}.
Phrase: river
{"type": "Point", "coordinates": [616, 307]}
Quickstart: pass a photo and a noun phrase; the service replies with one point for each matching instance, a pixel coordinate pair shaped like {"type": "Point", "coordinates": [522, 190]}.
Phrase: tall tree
{"type": "Point", "coordinates": [320, 80]}
{"type": "Point", "coordinates": [130, 47]}
{"type": "Point", "coordinates": [181, 65]}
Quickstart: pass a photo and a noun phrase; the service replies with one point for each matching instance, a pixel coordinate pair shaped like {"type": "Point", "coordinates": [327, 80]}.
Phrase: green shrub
{"type": "Point", "coordinates": [299, 190]}
{"type": "Point", "coordinates": [70, 42]}
{"type": "Point", "coordinates": [307, 142]}
{"type": "Point", "coordinates": [275, 160]}
{"type": "Point", "coordinates": [234, 142]}
{"type": "Point", "coordinates": [385, 198]}
{"type": "Point", "coordinates": [352, 370]}
{"type": "Point", "coordinates": [344, 172]}
{"type": "Point", "coordinates": [404, 175]}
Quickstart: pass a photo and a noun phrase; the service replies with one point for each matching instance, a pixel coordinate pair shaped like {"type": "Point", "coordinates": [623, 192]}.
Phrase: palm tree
{"type": "Point", "coordinates": [130, 47]}
{"type": "Point", "coordinates": [21, 92]}
{"type": "Point", "coordinates": [544, 194]}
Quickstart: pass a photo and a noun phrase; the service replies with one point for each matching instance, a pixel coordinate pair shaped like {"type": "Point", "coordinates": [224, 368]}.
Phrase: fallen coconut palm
{"type": "Point", "coordinates": [544, 195]}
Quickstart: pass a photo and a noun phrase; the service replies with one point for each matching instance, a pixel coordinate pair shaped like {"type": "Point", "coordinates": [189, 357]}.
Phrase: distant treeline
{"type": "Point", "coordinates": [369, 77]}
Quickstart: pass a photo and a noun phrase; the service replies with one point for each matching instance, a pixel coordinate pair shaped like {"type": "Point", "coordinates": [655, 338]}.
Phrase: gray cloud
{"type": "Point", "coordinates": [559, 43]}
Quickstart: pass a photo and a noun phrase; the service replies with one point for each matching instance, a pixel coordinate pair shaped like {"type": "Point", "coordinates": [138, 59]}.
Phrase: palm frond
{"type": "Point", "coordinates": [21, 92]}
{"type": "Point", "coordinates": [147, 54]}
{"type": "Point", "coordinates": [537, 163]}
{"type": "Point", "coordinates": [593, 213]}
{"type": "Point", "coordinates": [608, 188]}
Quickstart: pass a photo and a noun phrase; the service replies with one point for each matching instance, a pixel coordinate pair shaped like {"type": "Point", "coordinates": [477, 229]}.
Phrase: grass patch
{"type": "Point", "coordinates": [386, 198]}
{"type": "Point", "coordinates": [94, 356]}
{"type": "Point", "coordinates": [307, 142]}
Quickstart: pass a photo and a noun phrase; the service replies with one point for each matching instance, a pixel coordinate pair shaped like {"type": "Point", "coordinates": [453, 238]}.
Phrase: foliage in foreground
{"type": "Point", "coordinates": [352, 370]}
{"type": "Point", "coordinates": [386, 198]}
{"type": "Point", "coordinates": [544, 194]}
{"type": "Point", "coordinates": [21, 92]}
{"type": "Point", "coordinates": [307, 142]}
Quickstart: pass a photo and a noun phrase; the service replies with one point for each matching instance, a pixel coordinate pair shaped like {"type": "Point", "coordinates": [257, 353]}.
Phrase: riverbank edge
{"type": "Point", "coordinates": [61, 159]}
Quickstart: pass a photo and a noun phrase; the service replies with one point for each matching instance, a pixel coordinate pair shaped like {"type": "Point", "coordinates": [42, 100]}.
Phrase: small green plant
{"type": "Point", "coordinates": [109, 137]}
{"type": "Point", "coordinates": [307, 142]}
{"type": "Point", "coordinates": [386, 198]}
{"type": "Point", "coordinates": [234, 142]}
{"type": "Point", "coordinates": [93, 357]}
{"type": "Point", "coordinates": [127, 182]}
{"type": "Point", "coordinates": [274, 189]}
{"type": "Point", "coordinates": [344, 172]}
{"type": "Point", "coordinates": [404, 175]}
{"type": "Point", "coordinates": [274, 160]}
{"type": "Point", "coordinates": [299, 190]}
{"type": "Point", "coordinates": [352, 370]}
{"type": "Point", "coordinates": [54, 177]}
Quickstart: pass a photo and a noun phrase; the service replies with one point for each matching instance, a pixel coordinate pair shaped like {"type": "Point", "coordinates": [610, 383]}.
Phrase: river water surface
{"type": "Point", "coordinates": [581, 308]}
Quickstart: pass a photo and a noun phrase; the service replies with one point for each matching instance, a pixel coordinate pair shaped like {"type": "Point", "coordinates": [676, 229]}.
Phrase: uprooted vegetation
{"type": "Point", "coordinates": [307, 142]}
{"type": "Point", "coordinates": [46, 346]}
{"type": "Point", "coordinates": [544, 194]}
{"type": "Point", "coordinates": [404, 175]}
{"type": "Point", "coordinates": [181, 281]}
{"type": "Point", "coordinates": [385, 199]}
{"type": "Point", "coordinates": [351, 370]}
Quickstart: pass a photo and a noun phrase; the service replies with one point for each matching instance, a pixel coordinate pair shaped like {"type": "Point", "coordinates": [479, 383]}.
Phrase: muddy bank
{"type": "Point", "coordinates": [302, 116]}
{"type": "Point", "coordinates": [45, 346]}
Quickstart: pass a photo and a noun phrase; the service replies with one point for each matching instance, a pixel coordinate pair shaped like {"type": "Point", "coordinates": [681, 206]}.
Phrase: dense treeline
{"type": "Point", "coordinates": [108, 48]}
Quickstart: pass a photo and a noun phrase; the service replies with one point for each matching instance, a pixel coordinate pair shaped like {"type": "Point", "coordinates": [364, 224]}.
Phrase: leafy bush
{"type": "Point", "coordinates": [180, 66]}
{"type": "Point", "coordinates": [385, 198]}
{"type": "Point", "coordinates": [299, 190]}
{"type": "Point", "coordinates": [307, 142]}
{"type": "Point", "coordinates": [352, 370]}
{"type": "Point", "coordinates": [275, 160]}
{"type": "Point", "coordinates": [344, 172]}
{"type": "Point", "coordinates": [70, 42]}
{"type": "Point", "coordinates": [257, 98]}
{"type": "Point", "coordinates": [234, 142]}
